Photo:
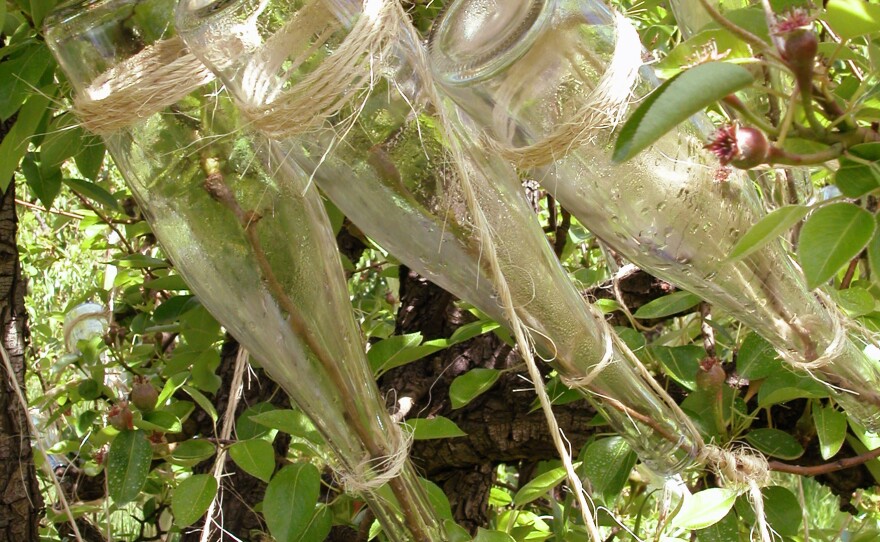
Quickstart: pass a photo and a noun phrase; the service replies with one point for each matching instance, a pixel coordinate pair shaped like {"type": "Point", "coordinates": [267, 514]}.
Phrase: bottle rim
{"type": "Point", "coordinates": [459, 65]}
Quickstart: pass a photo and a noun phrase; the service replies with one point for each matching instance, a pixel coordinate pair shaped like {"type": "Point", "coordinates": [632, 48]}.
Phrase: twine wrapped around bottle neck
{"type": "Point", "coordinates": [835, 347]}
{"type": "Point", "coordinates": [138, 87]}
{"type": "Point", "coordinates": [349, 72]}
{"type": "Point", "coordinates": [604, 108]}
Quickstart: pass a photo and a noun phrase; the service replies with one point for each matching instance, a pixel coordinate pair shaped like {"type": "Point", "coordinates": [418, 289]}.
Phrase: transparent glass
{"type": "Point", "coordinates": [381, 158]}
{"type": "Point", "coordinates": [523, 68]}
{"type": "Point", "coordinates": [258, 251]}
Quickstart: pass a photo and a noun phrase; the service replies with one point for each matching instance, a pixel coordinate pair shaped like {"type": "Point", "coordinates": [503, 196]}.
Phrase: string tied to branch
{"type": "Point", "coordinates": [374, 472]}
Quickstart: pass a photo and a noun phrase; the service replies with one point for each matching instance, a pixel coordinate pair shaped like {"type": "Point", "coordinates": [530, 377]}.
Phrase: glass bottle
{"type": "Point", "coordinates": [525, 68]}
{"type": "Point", "coordinates": [379, 153]}
{"type": "Point", "coordinates": [258, 251]}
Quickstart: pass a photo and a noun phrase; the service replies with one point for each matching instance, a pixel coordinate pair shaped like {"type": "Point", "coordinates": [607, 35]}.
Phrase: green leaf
{"type": "Point", "coordinates": [319, 525]}
{"type": "Point", "coordinates": [394, 352]}
{"type": "Point", "coordinates": [256, 457]}
{"type": "Point", "coordinates": [668, 305]}
{"type": "Point", "coordinates": [290, 500]}
{"type": "Point", "coordinates": [784, 385]}
{"type": "Point", "coordinates": [539, 486]}
{"type": "Point", "coordinates": [168, 282]}
{"type": "Point", "coordinates": [92, 191]}
{"type": "Point", "coordinates": [192, 452]}
{"type": "Point", "coordinates": [775, 443]}
{"type": "Point", "coordinates": [704, 508]}
{"type": "Point", "coordinates": [171, 385]}
{"type": "Point", "coordinates": [757, 358]}
{"type": "Point", "coordinates": [726, 530]}
{"type": "Point", "coordinates": [192, 498]}
{"type": "Point", "coordinates": [19, 77]}
{"type": "Point", "coordinates": [675, 101]}
{"type": "Point", "coordinates": [45, 184]}
{"type": "Point", "coordinates": [608, 463]}
{"type": "Point", "coordinates": [202, 401]}
{"type": "Point", "coordinates": [680, 362]}
{"type": "Point", "coordinates": [15, 143]}
{"type": "Point", "coordinates": [434, 428]}
{"type": "Point", "coordinates": [471, 330]}
{"type": "Point", "coordinates": [484, 535]}
{"type": "Point", "coordinates": [246, 428]}
{"type": "Point", "coordinates": [159, 420]}
{"type": "Point", "coordinates": [767, 229]}
{"type": "Point", "coordinates": [90, 159]}
{"type": "Point", "coordinates": [783, 510]}
{"type": "Point", "coordinates": [128, 465]}
{"type": "Point", "coordinates": [874, 257]}
{"type": "Point", "coordinates": [437, 499]}
{"type": "Point", "coordinates": [831, 429]}
{"type": "Point", "coordinates": [859, 172]}
{"type": "Point", "coordinates": [292, 422]}
{"type": "Point", "coordinates": [831, 237]}
{"type": "Point", "coordinates": [62, 141]}
{"type": "Point", "coordinates": [852, 18]}
{"type": "Point", "coordinates": [471, 384]}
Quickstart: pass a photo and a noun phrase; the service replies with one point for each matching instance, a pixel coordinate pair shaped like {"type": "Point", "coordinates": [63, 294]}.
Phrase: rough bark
{"type": "Point", "coordinates": [20, 501]}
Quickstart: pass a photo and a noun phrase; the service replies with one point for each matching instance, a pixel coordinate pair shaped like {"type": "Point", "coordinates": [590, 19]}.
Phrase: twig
{"type": "Point", "coordinates": [850, 273]}
{"type": "Point", "coordinates": [825, 468]}
{"type": "Point", "coordinates": [45, 210]}
{"type": "Point", "coordinates": [105, 220]}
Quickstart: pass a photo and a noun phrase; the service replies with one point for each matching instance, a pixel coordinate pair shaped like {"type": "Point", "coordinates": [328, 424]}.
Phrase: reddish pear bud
{"type": "Point", "coordinates": [741, 147]}
{"type": "Point", "coordinates": [120, 416]}
{"type": "Point", "coordinates": [799, 45]}
{"type": "Point", "coordinates": [144, 395]}
{"type": "Point", "coordinates": [710, 375]}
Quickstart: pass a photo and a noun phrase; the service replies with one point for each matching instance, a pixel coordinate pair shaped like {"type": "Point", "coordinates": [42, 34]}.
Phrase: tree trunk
{"type": "Point", "coordinates": [20, 501]}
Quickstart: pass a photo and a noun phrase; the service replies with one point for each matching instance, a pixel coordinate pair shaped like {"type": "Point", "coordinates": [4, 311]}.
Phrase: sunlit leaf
{"type": "Point", "coordinates": [831, 237]}
{"type": "Point", "coordinates": [290, 500]}
{"type": "Point", "coordinates": [466, 387]}
{"type": "Point", "coordinates": [128, 465]}
{"type": "Point", "coordinates": [851, 18]}
{"type": "Point", "coordinates": [831, 429]}
{"type": "Point", "coordinates": [705, 508]}
{"type": "Point", "coordinates": [256, 457]}
{"type": "Point", "coordinates": [434, 428]}
{"type": "Point", "coordinates": [192, 498]}
{"type": "Point", "coordinates": [775, 443]}
{"type": "Point", "coordinates": [768, 229]}
{"type": "Point", "coordinates": [668, 305]}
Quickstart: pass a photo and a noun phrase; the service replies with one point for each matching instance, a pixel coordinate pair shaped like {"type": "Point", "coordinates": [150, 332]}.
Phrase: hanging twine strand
{"type": "Point", "coordinates": [604, 108]}
{"type": "Point", "coordinates": [575, 381]}
{"type": "Point", "coordinates": [141, 86]}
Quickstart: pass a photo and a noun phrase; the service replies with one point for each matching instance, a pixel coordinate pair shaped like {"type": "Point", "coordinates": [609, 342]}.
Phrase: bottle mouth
{"type": "Point", "coordinates": [474, 39]}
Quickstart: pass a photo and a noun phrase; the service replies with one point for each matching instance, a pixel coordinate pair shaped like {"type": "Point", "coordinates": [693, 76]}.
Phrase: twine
{"type": "Point", "coordinates": [374, 472]}
{"type": "Point", "coordinates": [347, 73]}
{"type": "Point", "coordinates": [138, 87]}
{"type": "Point", "coordinates": [604, 108]}
{"type": "Point", "coordinates": [584, 381]}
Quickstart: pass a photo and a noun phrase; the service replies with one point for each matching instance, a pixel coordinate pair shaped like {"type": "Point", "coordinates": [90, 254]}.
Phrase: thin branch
{"type": "Point", "coordinates": [825, 468]}
{"type": "Point", "coordinates": [44, 210]}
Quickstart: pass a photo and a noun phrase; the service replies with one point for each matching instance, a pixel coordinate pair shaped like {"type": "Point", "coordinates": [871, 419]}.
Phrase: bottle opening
{"type": "Point", "coordinates": [475, 38]}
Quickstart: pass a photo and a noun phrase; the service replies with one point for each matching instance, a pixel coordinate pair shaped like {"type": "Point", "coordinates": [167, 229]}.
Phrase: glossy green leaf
{"type": "Point", "coordinates": [169, 282]}
{"type": "Point", "coordinates": [319, 525]}
{"type": "Point", "coordinates": [437, 499]}
{"type": "Point", "coordinates": [92, 191]}
{"type": "Point", "coordinates": [202, 401]}
{"type": "Point", "coordinates": [775, 443]}
{"type": "Point", "coordinates": [784, 385]}
{"type": "Point", "coordinates": [90, 158]}
{"type": "Point", "coordinates": [246, 428]}
{"type": "Point", "coordinates": [171, 385]}
{"type": "Point", "coordinates": [851, 18]}
{"type": "Point", "coordinates": [680, 362]}
{"type": "Point", "coordinates": [394, 352]}
{"type": "Point", "coordinates": [855, 301]}
{"type": "Point", "coordinates": [192, 498]}
{"type": "Point", "coordinates": [675, 101]}
{"type": "Point", "coordinates": [668, 305]}
{"type": "Point", "coordinates": [831, 429]}
{"type": "Point", "coordinates": [757, 358]}
{"type": "Point", "coordinates": [45, 184]}
{"type": "Point", "coordinates": [704, 508]}
{"type": "Point", "coordinates": [471, 330]}
{"type": "Point", "coordinates": [128, 465]}
{"type": "Point", "coordinates": [256, 457]}
{"type": "Point", "coordinates": [159, 420]}
{"type": "Point", "coordinates": [726, 530]}
{"type": "Point", "coordinates": [292, 422]}
{"type": "Point", "coordinates": [539, 486]}
{"type": "Point", "coordinates": [831, 237]}
{"type": "Point", "coordinates": [466, 387]}
{"type": "Point", "coordinates": [859, 172]}
{"type": "Point", "coordinates": [783, 510]}
{"type": "Point", "coordinates": [768, 229]}
{"type": "Point", "coordinates": [434, 428]}
{"type": "Point", "coordinates": [20, 75]}
{"type": "Point", "coordinates": [63, 140]}
{"type": "Point", "coordinates": [290, 500]}
{"type": "Point", "coordinates": [15, 143]}
{"type": "Point", "coordinates": [608, 463]}
{"type": "Point", "coordinates": [192, 452]}
{"type": "Point", "coordinates": [484, 535]}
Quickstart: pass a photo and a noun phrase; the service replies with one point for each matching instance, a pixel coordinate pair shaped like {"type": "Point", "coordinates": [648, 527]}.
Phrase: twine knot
{"type": "Point", "coordinates": [374, 472]}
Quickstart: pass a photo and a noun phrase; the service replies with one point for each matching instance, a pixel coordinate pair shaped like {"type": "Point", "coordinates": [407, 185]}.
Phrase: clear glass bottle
{"type": "Point", "coordinates": [379, 154]}
{"type": "Point", "coordinates": [258, 251]}
{"type": "Point", "coordinates": [524, 68]}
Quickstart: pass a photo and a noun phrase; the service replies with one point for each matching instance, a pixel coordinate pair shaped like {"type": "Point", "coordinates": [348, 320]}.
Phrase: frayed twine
{"type": "Point", "coordinates": [374, 472]}
{"type": "Point", "coordinates": [343, 76]}
{"type": "Point", "coordinates": [744, 470]}
{"type": "Point", "coordinates": [835, 347]}
{"type": "Point", "coordinates": [604, 108]}
{"type": "Point", "coordinates": [584, 381]}
{"type": "Point", "coordinates": [159, 76]}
